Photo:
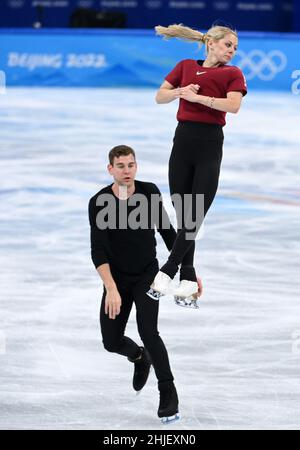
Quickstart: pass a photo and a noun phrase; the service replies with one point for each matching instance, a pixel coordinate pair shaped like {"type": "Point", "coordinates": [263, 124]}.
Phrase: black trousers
{"type": "Point", "coordinates": [194, 168]}
{"type": "Point", "coordinates": [133, 288]}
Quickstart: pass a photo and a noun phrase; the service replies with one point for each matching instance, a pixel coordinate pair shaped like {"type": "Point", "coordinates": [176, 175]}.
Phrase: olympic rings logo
{"type": "Point", "coordinates": [263, 65]}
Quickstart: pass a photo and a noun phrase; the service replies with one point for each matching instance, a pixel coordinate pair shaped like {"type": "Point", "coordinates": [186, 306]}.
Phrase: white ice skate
{"type": "Point", "coordinates": [160, 286]}
{"type": "Point", "coordinates": [170, 419]}
{"type": "Point", "coordinates": [186, 294]}
{"type": "Point", "coordinates": [168, 402]}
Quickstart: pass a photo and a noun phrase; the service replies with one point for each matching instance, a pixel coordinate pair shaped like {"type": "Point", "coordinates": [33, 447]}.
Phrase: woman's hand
{"type": "Point", "coordinates": [200, 287]}
{"type": "Point", "coordinates": [189, 92]}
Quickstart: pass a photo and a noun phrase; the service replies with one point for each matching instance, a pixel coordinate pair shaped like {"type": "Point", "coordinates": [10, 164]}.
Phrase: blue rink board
{"type": "Point", "coordinates": [115, 58]}
{"type": "Point", "coordinates": [268, 15]}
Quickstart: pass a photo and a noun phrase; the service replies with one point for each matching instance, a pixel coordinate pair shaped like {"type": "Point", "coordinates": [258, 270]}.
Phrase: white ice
{"type": "Point", "coordinates": [236, 360]}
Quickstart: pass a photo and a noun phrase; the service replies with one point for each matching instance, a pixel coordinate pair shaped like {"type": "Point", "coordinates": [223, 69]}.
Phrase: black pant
{"type": "Point", "coordinates": [194, 168]}
{"type": "Point", "coordinates": [133, 288]}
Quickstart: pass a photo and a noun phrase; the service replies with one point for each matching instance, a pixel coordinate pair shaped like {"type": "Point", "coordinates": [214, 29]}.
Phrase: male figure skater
{"type": "Point", "coordinates": [125, 258]}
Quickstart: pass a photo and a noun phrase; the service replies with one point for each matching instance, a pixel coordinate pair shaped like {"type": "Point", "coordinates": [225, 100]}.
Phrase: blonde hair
{"type": "Point", "coordinates": [187, 34]}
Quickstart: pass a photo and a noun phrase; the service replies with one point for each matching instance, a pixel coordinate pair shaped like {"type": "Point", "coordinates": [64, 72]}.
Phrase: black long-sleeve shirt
{"type": "Point", "coordinates": [128, 250]}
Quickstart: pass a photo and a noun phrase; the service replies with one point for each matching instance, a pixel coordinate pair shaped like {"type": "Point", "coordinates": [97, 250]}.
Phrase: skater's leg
{"type": "Point", "coordinates": [180, 180]}
{"type": "Point", "coordinates": [207, 160]}
{"type": "Point", "coordinates": [113, 329]}
{"type": "Point", "coordinates": [205, 180]}
{"type": "Point", "coordinates": [193, 170]}
{"type": "Point", "coordinates": [147, 317]}
{"type": "Point", "coordinates": [187, 270]}
{"type": "Point", "coordinates": [181, 174]}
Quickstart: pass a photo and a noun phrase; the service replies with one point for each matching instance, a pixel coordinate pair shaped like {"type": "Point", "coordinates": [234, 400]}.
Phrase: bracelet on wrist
{"type": "Point", "coordinates": [210, 102]}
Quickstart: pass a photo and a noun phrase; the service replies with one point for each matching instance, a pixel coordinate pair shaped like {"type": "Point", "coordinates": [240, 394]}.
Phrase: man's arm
{"type": "Point", "coordinates": [113, 299]}
{"type": "Point", "coordinates": [98, 237]}
{"type": "Point", "coordinates": [100, 257]}
{"type": "Point", "coordinates": [106, 276]}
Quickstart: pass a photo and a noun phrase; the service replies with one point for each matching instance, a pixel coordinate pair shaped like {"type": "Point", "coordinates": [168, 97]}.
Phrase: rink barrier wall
{"type": "Point", "coordinates": [135, 58]}
{"type": "Point", "coordinates": [267, 15]}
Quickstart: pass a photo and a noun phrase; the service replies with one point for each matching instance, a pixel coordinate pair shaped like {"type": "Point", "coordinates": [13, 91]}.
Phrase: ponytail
{"type": "Point", "coordinates": [181, 32]}
{"type": "Point", "coordinates": [187, 34]}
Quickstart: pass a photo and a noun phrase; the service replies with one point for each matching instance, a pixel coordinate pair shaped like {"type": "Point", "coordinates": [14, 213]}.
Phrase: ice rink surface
{"type": "Point", "coordinates": [236, 360]}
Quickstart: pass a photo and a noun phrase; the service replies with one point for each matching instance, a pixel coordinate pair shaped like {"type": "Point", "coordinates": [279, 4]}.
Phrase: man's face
{"type": "Point", "coordinates": [123, 170]}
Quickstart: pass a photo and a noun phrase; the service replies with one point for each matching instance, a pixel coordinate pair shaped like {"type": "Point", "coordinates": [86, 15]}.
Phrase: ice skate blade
{"type": "Point", "coordinates": [187, 302]}
{"type": "Point", "coordinates": [170, 419]}
{"type": "Point", "coordinates": [155, 295]}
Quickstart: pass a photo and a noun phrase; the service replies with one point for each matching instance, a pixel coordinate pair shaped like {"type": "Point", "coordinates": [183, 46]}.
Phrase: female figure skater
{"type": "Point", "coordinates": [207, 90]}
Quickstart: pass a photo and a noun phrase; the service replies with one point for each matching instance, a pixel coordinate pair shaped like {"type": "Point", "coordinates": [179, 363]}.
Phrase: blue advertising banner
{"type": "Point", "coordinates": [250, 15]}
{"type": "Point", "coordinates": [134, 58]}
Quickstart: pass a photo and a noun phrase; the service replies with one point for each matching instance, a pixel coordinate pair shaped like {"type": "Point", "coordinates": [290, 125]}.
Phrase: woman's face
{"type": "Point", "coordinates": [224, 49]}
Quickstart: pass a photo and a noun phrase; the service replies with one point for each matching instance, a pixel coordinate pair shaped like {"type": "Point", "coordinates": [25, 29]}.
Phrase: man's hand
{"type": "Point", "coordinates": [200, 287]}
{"type": "Point", "coordinates": [112, 303]}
